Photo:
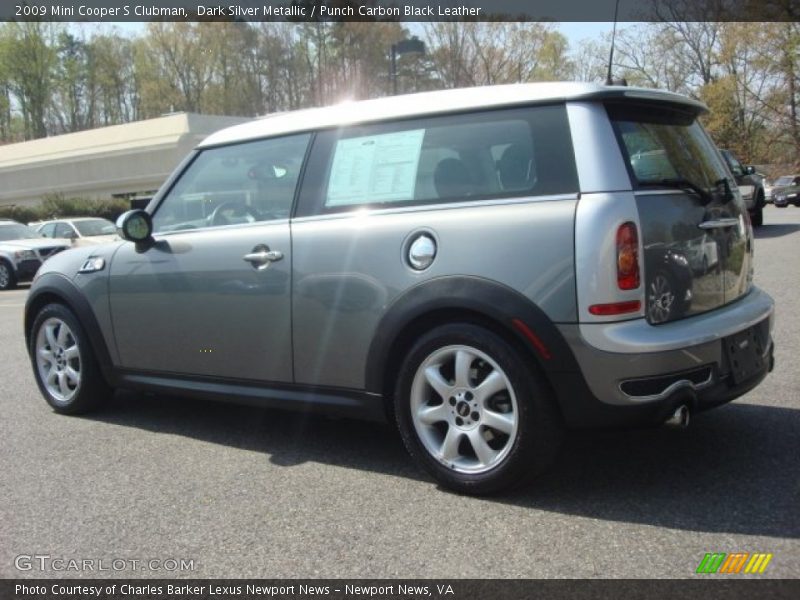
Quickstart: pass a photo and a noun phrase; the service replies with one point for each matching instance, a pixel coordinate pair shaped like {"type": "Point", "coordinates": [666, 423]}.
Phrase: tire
{"type": "Point", "coordinates": [8, 280]}
{"type": "Point", "coordinates": [758, 218]}
{"type": "Point", "coordinates": [64, 364]}
{"type": "Point", "coordinates": [516, 426]}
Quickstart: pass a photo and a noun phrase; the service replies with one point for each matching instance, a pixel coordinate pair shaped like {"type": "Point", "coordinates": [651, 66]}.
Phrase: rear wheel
{"type": "Point", "coordinates": [473, 413]}
{"type": "Point", "coordinates": [64, 364]}
{"type": "Point", "coordinates": [7, 279]}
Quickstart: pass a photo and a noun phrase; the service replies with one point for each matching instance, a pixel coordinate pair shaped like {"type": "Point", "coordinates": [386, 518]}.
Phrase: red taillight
{"type": "Point", "coordinates": [627, 256]}
{"type": "Point", "coordinates": [615, 308]}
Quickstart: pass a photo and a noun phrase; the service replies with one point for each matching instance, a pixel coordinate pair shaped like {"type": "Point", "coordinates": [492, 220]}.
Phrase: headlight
{"type": "Point", "coordinates": [25, 255]}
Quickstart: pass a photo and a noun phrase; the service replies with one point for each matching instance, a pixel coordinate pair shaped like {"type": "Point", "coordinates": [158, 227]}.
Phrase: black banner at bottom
{"type": "Point", "coordinates": [380, 589]}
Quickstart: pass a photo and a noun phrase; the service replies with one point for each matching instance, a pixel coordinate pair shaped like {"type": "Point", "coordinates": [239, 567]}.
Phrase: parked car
{"type": "Point", "coordinates": [789, 195]}
{"type": "Point", "coordinates": [81, 230]}
{"type": "Point", "coordinates": [22, 251]}
{"type": "Point", "coordinates": [751, 186]}
{"type": "Point", "coordinates": [780, 184]}
{"type": "Point", "coordinates": [473, 265]}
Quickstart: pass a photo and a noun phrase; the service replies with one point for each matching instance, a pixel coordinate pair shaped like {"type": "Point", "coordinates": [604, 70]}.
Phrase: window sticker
{"type": "Point", "coordinates": [375, 168]}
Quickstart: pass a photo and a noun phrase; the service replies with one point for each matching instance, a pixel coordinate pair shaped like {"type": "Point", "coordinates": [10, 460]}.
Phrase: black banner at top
{"type": "Point", "coordinates": [399, 10]}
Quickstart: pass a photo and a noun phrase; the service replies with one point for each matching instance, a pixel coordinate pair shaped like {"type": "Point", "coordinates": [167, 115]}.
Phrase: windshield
{"type": "Point", "coordinates": [666, 147]}
{"type": "Point", "coordinates": [785, 180]}
{"type": "Point", "coordinates": [17, 231]}
{"type": "Point", "coordinates": [95, 227]}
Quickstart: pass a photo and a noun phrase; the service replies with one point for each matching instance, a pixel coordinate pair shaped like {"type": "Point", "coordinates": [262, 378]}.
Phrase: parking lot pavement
{"type": "Point", "coordinates": [255, 493]}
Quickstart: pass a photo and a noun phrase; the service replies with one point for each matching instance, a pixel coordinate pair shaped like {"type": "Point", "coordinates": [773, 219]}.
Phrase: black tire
{"type": "Point", "coordinates": [8, 281]}
{"type": "Point", "coordinates": [539, 431]}
{"type": "Point", "coordinates": [758, 218]}
{"type": "Point", "coordinates": [91, 390]}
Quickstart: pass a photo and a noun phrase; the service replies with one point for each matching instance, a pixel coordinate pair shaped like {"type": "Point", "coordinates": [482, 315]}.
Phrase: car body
{"type": "Point", "coordinates": [81, 230]}
{"type": "Point", "coordinates": [781, 183]}
{"type": "Point", "coordinates": [786, 190]}
{"type": "Point", "coordinates": [751, 186]}
{"type": "Point", "coordinates": [482, 267]}
{"type": "Point", "coordinates": [22, 252]}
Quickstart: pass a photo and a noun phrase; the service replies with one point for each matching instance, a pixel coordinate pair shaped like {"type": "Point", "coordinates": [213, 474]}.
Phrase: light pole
{"type": "Point", "coordinates": [403, 47]}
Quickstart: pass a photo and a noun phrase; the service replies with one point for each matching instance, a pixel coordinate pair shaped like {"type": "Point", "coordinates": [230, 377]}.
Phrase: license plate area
{"type": "Point", "coordinates": [745, 352]}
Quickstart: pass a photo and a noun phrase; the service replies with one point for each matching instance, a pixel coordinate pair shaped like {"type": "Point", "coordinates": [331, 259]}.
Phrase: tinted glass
{"type": "Point", "coordinates": [659, 152]}
{"type": "Point", "coordinates": [503, 153]}
{"type": "Point", "coordinates": [243, 183]}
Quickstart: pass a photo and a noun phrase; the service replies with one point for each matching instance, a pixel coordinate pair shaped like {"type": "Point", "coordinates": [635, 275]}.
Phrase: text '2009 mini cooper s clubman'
{"type": "Point", "coordinates": [484, 266]}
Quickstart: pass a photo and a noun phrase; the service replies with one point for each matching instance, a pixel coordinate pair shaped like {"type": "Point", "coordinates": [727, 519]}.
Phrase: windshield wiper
{"type": "Point", "coordinates": [681, 183]}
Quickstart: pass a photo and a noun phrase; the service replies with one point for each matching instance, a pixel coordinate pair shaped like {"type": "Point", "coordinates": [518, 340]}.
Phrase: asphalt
{"type": "Point", "coordinates": [245, 492]}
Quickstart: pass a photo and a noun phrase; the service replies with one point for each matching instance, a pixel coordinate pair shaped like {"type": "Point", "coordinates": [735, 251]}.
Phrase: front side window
{"type": "Point", "coordinates": [48, 230]}
{"type": "Point", "coordinates": [231, 185]}
{"type": "Point", "coordinates": [492, 154]}
{"type": "Point", "coordinates": [64, 231]}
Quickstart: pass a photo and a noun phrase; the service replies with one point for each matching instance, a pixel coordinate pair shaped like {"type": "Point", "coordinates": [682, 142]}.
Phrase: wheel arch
{"type": "Point", "coordinates": [53, 288]}
{"type": "Point", "coordinates": [475, 300]}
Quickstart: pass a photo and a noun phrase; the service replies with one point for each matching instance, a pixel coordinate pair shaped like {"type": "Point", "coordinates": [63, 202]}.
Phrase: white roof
{"type": "Point", "coordinates": [431, 103]}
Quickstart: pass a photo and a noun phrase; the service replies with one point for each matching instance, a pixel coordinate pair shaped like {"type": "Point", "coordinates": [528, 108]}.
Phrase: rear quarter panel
{"type": "Point", "coordinates": [350, 269]}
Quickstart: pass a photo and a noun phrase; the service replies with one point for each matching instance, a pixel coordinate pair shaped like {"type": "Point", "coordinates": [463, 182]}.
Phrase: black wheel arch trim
{"type": "Point", "coordinates": [489, 299]}
{"type": "Point", "coordinates": [58, 286]}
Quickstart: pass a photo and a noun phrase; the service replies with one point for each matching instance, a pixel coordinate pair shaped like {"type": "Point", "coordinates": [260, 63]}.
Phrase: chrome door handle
{"type": "Point", "coordinates": [262, 256]}
{"type": "Point", "coordinates": [719, 223]}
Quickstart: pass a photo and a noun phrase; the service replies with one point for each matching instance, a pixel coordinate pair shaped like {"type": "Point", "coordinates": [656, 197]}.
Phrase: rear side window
{"type": "Point", "coordinates": [454, 158]}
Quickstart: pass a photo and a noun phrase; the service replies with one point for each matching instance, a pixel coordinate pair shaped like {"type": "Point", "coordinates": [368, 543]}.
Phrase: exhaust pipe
{"type": "Point", "coordinates": [680, 418]}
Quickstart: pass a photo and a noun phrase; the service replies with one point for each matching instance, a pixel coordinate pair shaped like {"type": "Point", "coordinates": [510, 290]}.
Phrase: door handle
{"type": "Point", "coordinates": [262, 256]}
{"type": "Point", "coordinates": [719, 223]}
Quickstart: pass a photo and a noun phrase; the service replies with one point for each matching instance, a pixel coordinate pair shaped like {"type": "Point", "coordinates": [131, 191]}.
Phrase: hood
{"type": "Point", "coordinates": [35, 243]}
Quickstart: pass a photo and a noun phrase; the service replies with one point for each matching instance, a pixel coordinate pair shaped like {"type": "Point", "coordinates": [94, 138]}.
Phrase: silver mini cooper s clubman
{"type": "Point", "coordinates": [484, 267]}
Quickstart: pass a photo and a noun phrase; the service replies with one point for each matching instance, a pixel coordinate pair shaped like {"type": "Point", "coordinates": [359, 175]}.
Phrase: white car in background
{"type": "Point", "coordinates": [82, 231]}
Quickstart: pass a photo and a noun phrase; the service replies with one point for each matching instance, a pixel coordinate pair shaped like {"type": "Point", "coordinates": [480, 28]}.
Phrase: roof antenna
{"type": "Point", "coordinates": [610, 81]}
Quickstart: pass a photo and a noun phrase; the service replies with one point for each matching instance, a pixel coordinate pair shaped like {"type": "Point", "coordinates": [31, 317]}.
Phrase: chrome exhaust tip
{"type": "Point", "coordinates": [680, 418]}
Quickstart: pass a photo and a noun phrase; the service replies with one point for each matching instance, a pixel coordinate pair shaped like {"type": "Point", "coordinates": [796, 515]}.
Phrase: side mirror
{"type": "Point", "coordinates": [750, 170]}
{"type": "Point", "coordinates": [135, 226]}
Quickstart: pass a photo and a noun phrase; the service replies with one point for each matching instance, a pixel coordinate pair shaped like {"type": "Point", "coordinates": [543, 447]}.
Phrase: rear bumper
{"type": "Point", "coordinates": [683, 362]}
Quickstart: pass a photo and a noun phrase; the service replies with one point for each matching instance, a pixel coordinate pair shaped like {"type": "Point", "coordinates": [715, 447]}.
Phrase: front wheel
{"type": "Point", "coordinates": [64, 364]}
{"type": "Point", "coordinates": [758, 217]}
{"type": "Point", "coordinates": [473, 412]}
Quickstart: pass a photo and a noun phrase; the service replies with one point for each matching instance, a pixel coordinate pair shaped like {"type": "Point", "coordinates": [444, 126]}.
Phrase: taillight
{"type": "Point", "coordinates": [627, 256]}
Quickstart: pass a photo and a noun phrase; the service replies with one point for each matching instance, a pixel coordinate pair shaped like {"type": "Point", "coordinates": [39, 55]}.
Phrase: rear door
{"type": "Point", "coordinates": [695, 233]}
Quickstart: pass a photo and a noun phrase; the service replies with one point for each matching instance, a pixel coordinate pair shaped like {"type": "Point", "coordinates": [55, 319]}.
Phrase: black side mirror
{"type": "Point", "coordinates": [135, 226]}
{"type": "Point", "coordinates": [750, 170]}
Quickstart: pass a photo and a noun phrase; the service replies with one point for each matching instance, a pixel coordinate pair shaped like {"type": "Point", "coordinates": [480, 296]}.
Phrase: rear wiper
{"type": "Point", "coordinates": [681, 183]}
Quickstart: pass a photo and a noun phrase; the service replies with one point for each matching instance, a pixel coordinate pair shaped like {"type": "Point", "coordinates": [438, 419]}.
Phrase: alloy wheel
{"type": "Point", "coordinates": [464, 409]}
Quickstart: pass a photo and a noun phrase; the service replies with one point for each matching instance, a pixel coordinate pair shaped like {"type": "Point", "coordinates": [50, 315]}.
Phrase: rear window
{"type": "Point", "coordinates": [663, 145]}
{"type": "Point", "coordinates": [454, 158]}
